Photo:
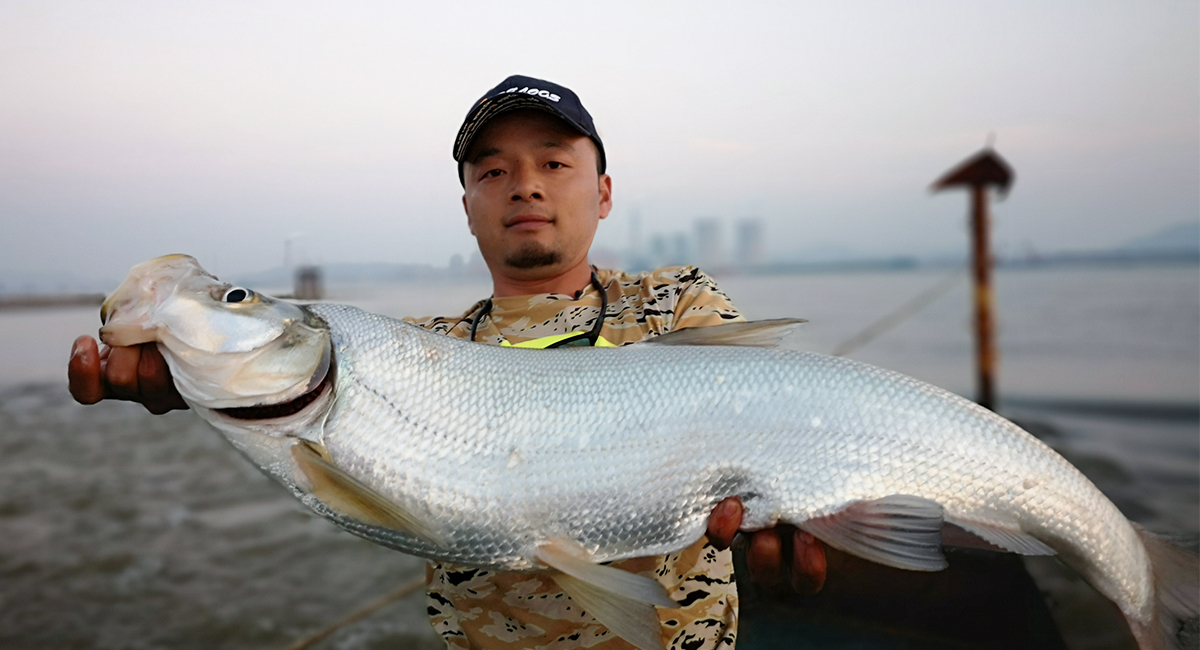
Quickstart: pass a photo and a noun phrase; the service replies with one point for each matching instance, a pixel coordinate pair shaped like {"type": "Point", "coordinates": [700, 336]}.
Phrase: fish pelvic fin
{"type": "Point", "coordinates": [351, 498]}
{"type": "Point", "coordinates": [898, 530]}
{"type": "Point", "coordinates": [1176, 594]}
{"type": "Point", "coordinates": [757, 334]}
{"type": "Point", "coordinates": [623, 602]}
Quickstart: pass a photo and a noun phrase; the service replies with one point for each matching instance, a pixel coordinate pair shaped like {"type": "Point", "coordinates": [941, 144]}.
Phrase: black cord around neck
{"type": "Point", "coordinates": [593, 335]}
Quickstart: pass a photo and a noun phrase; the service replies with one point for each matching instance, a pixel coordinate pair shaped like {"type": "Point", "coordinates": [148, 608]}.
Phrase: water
{"type": "Point", "coordinates": [1114, 334]}
{"type": "Point", "coordinates": [122, 530]}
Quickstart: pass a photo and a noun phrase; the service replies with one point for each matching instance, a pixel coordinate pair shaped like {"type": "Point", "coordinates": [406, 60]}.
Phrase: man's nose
{"type": "Point", "coordinates": [526, 185]}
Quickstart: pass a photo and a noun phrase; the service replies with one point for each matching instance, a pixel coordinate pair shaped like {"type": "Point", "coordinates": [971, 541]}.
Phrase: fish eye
{"type": "Point", "coordinates": [237, 294]}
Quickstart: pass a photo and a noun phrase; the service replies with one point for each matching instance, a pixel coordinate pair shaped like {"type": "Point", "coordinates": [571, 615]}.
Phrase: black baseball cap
{"type": "Point", "coordinates": [526, 92]}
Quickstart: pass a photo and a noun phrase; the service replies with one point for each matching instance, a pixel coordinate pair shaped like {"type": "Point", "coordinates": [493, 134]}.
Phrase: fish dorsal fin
{"type": "Point", "coordinates": [351, 498]}
{"type": "Point", "coordinates": [623, 602]}
{"type": "Point", "coordinates": [1013, 541]}
{"type": "Point", "coordinates": [898, 530]}
{"type": "Point", "coordinates": [757, 334]}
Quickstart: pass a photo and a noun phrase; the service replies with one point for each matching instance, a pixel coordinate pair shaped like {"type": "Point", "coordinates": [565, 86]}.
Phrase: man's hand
{"type": "Point", "coordinates": [772, 552]}
{"type": "Point", "coordinates": [137, 373]}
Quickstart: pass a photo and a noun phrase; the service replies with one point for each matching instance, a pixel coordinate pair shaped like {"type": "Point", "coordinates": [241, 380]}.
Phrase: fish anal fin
{"type": "Point", "coordinates": [351, 498]}
{"type": "Point", "coordinates": [898, 530]}
{"type": "Point", "coordinates": [1005, 539]}
{"type": "Point", "coordinates": [758, 334]}
{"type": "Point", "coordinates": [623, 602]}
{"type": "Point", "coordinates": [956, 536]}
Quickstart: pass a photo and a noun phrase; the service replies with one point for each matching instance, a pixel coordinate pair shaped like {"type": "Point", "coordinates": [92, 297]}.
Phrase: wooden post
{"type": "Point", "coordinates": [979, 172]}
{"type": "Point", "coordinates": [985, 348]}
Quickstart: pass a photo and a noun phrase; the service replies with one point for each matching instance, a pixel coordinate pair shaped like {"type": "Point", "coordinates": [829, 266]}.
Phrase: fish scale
{"type": "Point", "coordinates": [558, 460]}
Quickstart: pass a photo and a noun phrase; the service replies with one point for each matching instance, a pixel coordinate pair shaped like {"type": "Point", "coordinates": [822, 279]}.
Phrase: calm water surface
{"type": "Point", "coordinates": [123, 530]}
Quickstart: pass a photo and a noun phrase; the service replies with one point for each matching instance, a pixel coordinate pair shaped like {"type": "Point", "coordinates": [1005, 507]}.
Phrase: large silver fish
{"type": "Point", "coordinates": [558, 460]}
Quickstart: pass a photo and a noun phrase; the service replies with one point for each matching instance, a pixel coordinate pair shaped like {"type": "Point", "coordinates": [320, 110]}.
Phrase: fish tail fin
{"type": "Point", "coordinates": [1176, 574]}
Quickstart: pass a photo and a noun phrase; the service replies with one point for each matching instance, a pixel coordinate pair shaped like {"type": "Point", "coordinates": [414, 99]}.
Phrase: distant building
{"type": "Point", "coordinates": [749, 245]}
{"type": "Point", "coordinates": [636, 248]}
{"type": "Point", "coordinates": [308, 283]}
{"type": "Point", "coordinates": [667, 250]}
{"type": "Point", "coordinates": [658, 249]}
{"type": "Point", "coordinates": [681, 250]}
{"type": "Point", "coordinates": [708, 243]}
{"type": "Point", "coordinates": [476, 266]}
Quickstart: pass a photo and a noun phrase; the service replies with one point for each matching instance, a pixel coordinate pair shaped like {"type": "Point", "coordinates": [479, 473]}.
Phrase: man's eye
{"type": "Point", "coordinates": [492, 173]}
{"type": "Point", "coordinates": [554, 164]}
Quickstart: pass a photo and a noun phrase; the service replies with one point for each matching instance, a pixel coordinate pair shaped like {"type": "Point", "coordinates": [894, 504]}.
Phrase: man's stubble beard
{"type": "Point", "coordinates": [532, 256]}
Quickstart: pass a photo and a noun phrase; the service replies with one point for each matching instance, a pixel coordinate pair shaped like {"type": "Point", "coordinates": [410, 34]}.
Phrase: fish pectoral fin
{"type": "Point", "coordinates": [351, 498]}
{"type": "Point", "coordinates": [757, 334]}
{"type": "Point", "coordinates": [1013, 541]}
{"type": "Point", "coordinates": [898, 530]}
{"type": "Point", "coordinates": [623, 602]}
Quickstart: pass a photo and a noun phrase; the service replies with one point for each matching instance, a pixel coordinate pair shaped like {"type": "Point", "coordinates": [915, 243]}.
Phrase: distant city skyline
{"type": "Point", "coordinates": [132, 128]}
{"type": "Point", "coordinates": [1179, 241]}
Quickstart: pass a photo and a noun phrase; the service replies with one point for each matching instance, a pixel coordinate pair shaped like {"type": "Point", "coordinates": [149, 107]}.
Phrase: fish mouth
{"type": "Point", "coordinates": [282, 409]}
{"type": "Point", "coordinates": [127, 312]}
{"type": "Point", "coordinates": [176, 262]}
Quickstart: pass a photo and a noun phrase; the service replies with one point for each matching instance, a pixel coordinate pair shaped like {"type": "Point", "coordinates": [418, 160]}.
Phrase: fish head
{"type": "Point", "coordinates": [227, 346]}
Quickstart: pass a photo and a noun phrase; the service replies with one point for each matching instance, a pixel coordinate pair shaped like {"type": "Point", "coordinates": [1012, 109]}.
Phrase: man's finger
{"type": "Point", "coordinates": [724, 521]}
{"type": "Point", "coordinates": [154, 381]}
{"type": "Point", "coordinates": [808, 564]}
{"type": "Point", "coordinates": [83, 371]}
{"type": "Point", "coordinates": [765, 558]}
{"type": "Point", "coordinates": [120, 373]}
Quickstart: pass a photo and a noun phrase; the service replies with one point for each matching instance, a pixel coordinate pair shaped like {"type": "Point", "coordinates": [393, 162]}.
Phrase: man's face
{"type": "Point", "coordinates": [532, 194]}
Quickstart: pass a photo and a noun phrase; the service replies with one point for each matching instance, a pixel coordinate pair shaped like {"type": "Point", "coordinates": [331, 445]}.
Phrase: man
{"type": "Point", "coordinates": [532, 168]}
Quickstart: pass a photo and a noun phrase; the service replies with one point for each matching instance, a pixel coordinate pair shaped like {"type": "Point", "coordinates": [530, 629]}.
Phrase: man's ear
{"type": "Point", "coordinates": [605, 195]}
{"type": "Point", "coordinates": [470, 226]}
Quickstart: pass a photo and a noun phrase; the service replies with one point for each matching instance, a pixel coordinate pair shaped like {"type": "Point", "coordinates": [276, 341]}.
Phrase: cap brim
{"type": "Point", "coordinates": [490, 108]}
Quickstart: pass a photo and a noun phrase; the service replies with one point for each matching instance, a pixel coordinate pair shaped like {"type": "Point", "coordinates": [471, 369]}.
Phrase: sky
{"type": "Point", "coordinates": [226, 130]}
